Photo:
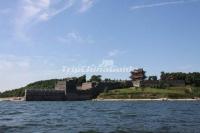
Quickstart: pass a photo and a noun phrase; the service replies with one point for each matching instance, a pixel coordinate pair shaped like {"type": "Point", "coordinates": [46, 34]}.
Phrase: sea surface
{"type": "Point", "coordinates": [100, 117]}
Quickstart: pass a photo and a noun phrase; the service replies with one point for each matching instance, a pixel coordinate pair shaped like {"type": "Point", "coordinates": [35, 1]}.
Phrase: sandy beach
{"type": "Point", "coordinates": [12, 99]}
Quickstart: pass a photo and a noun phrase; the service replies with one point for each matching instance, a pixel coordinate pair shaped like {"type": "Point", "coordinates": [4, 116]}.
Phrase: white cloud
{"type": "Point", "coordinates": [44, 17]}
{"type": "Point", "coordinates": [74, 38]}
{"type": "Point", "coordinates": [31, 12]}
{"type": "Point", "coordinates": [86, 5]}
{"type": "Point", "coordinates": [136, 7]}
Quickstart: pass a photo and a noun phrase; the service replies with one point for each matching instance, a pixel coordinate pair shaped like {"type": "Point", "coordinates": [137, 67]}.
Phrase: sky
{"type": "Point", "coordinates": [38, 38]}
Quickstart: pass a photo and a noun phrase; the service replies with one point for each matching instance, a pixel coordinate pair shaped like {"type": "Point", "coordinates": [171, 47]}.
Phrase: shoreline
{"type": "Point", "coordinates": [160, 99]}
{"type": "Point", "coordinates": [102, 99]}
{"type": "Point", "coordinates": [12, 99]}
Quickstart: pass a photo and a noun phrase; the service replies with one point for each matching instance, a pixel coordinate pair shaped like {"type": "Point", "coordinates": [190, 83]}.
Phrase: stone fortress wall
{"type": "Point", "coordinates": [44, 95]}
{"type": "Point", "coordinates": [67, 90]}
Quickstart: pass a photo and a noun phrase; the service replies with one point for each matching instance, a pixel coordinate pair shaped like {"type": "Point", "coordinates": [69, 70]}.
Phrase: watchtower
{"type": "Point", "coordinates": [137, 76]}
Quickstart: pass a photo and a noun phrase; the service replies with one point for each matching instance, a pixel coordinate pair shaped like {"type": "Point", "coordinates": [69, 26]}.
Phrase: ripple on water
{"type": "Point", "coordinates": [11, 129]}
{"type": "Point", "coordinates": [104, 117]}
{"type": "Point", "coordinates": [129, 115]}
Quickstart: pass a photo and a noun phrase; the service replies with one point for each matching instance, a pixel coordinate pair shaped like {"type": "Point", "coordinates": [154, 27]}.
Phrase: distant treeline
{"type": "Point", "coordinates": [189, 78]}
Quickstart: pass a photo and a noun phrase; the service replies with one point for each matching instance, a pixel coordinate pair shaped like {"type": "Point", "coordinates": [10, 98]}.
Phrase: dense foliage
{"type": "Point", "coordinates": [79, 80]}
{"type": "Point", "coordinates": [96, 78]}
{"type": "Point", "coordinates": [189, 78]}
{"type": "Point", "coordinates": [13, 93]}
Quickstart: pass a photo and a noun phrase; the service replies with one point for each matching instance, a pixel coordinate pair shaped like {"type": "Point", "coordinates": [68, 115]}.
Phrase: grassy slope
{"type": "Point", "coordinates": [146, 93]}
{"type": "Point", "coordinates": [46, 84]}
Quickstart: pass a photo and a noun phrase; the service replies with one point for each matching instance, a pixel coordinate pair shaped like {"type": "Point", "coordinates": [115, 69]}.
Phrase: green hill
{"type": "Point", "coordinates": [45, 84]}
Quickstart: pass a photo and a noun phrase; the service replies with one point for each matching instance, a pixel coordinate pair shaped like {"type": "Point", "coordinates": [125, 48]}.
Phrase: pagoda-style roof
{"type": "Point", "coordinates": [138, 71]}
{"type": "Point", "coordinates": [137, 74]}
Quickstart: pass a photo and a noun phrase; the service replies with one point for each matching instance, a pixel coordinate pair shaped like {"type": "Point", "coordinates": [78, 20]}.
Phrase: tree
{"type": "Point", "coordinates": [189, 78]}
{"type": "Point", "coordinates": [81, 80]}
{"type": "Point", "coordinates": [163, 76]}
{"type": "Point", "coordinates": [107, 80]}
{"type": "Point", "coordinates": [153, 78]}
{"type": "Point", "coordinates": [95, 78]}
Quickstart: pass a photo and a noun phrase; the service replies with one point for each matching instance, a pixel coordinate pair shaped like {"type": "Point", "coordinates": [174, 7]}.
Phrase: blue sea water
{"type": "Point", "coordinates": [101, 117]}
